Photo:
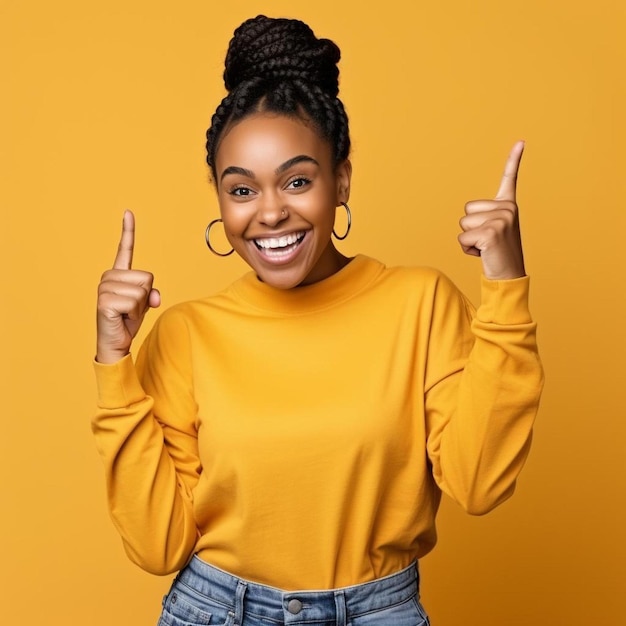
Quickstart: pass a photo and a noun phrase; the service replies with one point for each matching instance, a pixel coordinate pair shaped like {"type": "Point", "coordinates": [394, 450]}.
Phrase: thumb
{"type": "Point", "coordinates": [154, 298]}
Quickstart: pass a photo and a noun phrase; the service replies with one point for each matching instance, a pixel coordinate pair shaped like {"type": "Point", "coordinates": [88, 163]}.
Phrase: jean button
{"type": "Point", "coordinates": [294, 606]}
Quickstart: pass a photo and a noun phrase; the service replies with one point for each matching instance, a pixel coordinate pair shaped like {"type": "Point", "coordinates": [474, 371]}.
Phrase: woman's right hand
{"type": "Point", "coordinates": [124, 296]}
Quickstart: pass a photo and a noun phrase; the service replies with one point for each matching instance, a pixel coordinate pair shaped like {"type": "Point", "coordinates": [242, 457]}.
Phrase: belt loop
{"type": "Point", "coordinates": [340, 608]}
{"type": "Point", "coordinates": [239, 595]}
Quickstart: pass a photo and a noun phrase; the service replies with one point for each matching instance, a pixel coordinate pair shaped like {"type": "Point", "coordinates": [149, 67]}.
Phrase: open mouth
{"type": "Point", "coordinates": [277, 247]}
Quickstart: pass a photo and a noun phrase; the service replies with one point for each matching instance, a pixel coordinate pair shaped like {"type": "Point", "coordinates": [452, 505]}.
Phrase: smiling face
{"type": "Point", "coordinates": [278, 189]}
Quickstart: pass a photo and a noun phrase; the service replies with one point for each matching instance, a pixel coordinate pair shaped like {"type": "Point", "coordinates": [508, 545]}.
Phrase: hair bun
{"type": "Point", "coordinates": [280, 49]}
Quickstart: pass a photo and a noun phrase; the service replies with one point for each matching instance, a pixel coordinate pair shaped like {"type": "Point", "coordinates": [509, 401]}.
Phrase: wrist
{"type": "Point", "coordinates": [108, 357]}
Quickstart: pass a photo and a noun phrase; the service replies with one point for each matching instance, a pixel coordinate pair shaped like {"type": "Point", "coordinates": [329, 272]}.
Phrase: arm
{"type": "Point", "coordinates": [484, 376]}
{"type": "Point", "coordinates": [483, 384]}
{"type": "Point", "coordinates": [150, 468]}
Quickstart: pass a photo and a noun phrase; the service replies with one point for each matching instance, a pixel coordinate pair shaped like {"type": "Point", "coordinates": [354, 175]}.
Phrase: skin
{"type": "Point", "coordinates": [124, 297]}
{"type": "Point", "coordinates": [277, 201]}
{"type": "Point", "coordinates": [276, 178]}
{"type": "Point", "coordinates": [491, 227]}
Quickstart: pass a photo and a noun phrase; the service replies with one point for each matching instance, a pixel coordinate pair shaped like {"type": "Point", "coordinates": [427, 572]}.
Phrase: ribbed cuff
{"type": "Point", "coordinates": [117, 384]}
{"type": "Point", "coordinates": [504, 301]}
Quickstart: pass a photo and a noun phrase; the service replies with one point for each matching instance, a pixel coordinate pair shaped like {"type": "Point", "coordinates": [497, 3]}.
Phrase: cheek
{"type": "Point", "coordinates": [236, 217]}
{"type": "Point", "coordinates": [234, 227]}
{"type": "Point", "coordinates": [318, 207]}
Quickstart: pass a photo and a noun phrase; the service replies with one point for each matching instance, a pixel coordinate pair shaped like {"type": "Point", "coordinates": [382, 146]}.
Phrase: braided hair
{"type": "Point", "coordinates": [279, 65]}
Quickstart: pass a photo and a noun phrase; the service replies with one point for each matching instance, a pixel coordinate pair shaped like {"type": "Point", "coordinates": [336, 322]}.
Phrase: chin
{"type": "Point", "coordinates": [281, 279]}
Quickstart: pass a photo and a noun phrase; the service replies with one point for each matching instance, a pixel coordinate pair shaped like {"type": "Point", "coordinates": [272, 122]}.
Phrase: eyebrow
{"type": "Point", "coordinates": [301, 158]}
{"type": "Point", "coordinates": [233, 169]}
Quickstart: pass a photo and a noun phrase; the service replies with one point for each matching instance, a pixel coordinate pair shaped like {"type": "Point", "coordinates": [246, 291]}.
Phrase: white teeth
{"type": "Point", "coordinates": [279, 242]}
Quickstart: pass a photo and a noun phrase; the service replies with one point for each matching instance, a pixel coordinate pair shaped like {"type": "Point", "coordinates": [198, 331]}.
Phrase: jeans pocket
{"type": "Point", "coordinates": [182, 610]}
{"type": "Point", "coordinates": [177, 611]}
{"type": "Point", "coordinates": [422, 612]}
{"type": "Point", "coordinates": [407, 613]}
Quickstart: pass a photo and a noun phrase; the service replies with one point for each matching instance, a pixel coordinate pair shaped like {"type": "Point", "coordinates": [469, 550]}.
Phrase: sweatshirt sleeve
{"type": "Point", "coordinates": [145, 430]}
{"type": "Point", "coordinates": [483, 384]}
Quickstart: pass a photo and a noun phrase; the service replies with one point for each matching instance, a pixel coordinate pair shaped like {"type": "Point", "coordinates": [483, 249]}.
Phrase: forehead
{"type": "Point", "coordinates": [266, 140]}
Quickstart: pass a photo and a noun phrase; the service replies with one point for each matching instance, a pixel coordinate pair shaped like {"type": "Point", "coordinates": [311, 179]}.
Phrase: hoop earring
{"type": "Point", "coordinates": [347, 208]}
{"type": "Point", "coordinates": [207, 238]}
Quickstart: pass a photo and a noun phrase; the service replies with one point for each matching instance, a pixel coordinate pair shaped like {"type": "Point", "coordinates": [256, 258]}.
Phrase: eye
{"type": "Point", "coordinates": [240, 191]}
{"type": "Point", "coordinates": [298, 182]}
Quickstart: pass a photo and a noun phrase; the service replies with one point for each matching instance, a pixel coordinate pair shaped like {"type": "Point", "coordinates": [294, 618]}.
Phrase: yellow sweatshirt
{"type": "Point", "coordinates": [301, 438]}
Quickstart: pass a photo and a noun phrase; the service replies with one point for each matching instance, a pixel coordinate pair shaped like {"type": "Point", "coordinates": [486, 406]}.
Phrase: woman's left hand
{"type": "Point", "coordinates": [491, 227]}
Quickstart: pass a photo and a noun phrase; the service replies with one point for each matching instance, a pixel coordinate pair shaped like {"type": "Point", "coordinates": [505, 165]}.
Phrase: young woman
{"type": "Point", "coordinates": [284, 443]}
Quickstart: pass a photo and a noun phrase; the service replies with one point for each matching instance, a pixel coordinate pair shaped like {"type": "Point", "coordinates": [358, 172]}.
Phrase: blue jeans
{"type": "Point", "coordinates": [202, 594]}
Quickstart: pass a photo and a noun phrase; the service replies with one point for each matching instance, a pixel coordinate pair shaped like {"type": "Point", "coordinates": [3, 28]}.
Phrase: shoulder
{"type": "Point", "coordinates": [423, 288]}
{"type": "Point", "coordinates": [174, 333]}
{"type": "Point", "coordinates": [422, 279]}
{"type": "Point", "coordinates": [419, 274]}
{"type": "Point", "coordinates": [178, 323]}
{"type": "Point", "coordinates": [189, 312]}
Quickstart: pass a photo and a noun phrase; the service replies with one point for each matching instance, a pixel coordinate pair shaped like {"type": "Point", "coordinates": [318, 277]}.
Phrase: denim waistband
{"type": "Point", "coordinates": [293, 607]}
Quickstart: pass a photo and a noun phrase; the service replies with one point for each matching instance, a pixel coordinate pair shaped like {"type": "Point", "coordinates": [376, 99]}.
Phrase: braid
{"type": "Point", "coordinates": [278, 65]}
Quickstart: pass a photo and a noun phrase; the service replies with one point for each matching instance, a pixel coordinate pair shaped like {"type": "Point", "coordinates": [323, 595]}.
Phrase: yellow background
{"type": "Point", "coordinates": [104, 106]}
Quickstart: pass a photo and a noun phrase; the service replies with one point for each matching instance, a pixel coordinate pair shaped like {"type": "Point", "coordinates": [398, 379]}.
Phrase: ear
{"type": "Point", "coordinates": [343, 175]}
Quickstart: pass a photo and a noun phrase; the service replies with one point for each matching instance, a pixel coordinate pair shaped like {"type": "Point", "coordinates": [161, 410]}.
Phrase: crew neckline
{"type": "Point", "coordinates": [344, 284]}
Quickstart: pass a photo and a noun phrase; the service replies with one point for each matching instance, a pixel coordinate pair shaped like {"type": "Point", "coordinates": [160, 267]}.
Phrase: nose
{"type": "Point", "coordinates": [271, 209]}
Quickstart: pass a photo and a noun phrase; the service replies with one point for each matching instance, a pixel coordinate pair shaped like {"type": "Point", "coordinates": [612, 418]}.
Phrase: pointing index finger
{"type": "Point", "coordinates": [124, 256]}
{"type": "Point", "coordinates": [508, 183]}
